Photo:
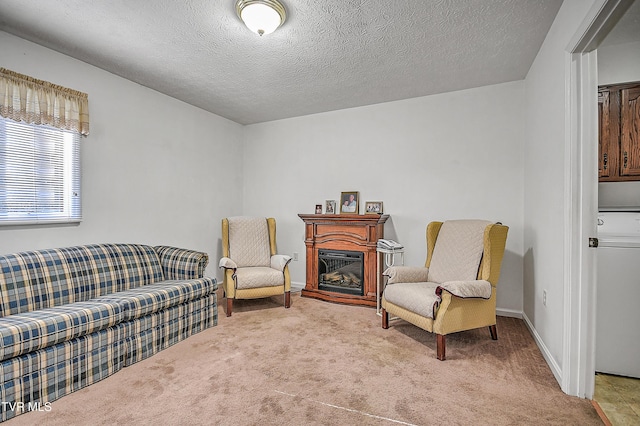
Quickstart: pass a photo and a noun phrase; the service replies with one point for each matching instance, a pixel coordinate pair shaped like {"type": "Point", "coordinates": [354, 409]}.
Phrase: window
{"type": "Point", "coordinates": [40, 128]}
{"type": "Point", "coordinates": [39, 174]}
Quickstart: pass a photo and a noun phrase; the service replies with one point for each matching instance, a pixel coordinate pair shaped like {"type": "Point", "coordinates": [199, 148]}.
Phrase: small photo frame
{"type": "Point", "coordinates": [330, 207]}
{"type": "Point", "coordinates": [349, 202]}
{"type": "Point", "coordinates": [373, 207]}
{"type": "Point", "coordinates": [318, 208]}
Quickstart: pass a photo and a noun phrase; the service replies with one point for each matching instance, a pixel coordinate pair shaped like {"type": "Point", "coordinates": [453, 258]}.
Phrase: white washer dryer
{"type": "Point", "coordinates": [618, 294]}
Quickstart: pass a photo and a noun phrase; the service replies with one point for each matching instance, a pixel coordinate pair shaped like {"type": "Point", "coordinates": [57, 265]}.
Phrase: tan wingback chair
{"type": "Point", "coordinates": [456, 290]}
{"type": "Point", "coordinates": [252, 269]}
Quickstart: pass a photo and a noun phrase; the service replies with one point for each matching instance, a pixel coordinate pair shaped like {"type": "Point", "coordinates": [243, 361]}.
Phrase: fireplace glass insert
{"type": "Point", "coordinates": [341, 271]}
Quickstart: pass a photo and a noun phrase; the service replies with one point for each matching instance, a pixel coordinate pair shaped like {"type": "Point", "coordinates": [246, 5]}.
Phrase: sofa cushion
{"type": "Point", "coordinates": [48, 278]}
{"type": "Point", "coordinates": [33, 280]}
{"type": "Point", "coordinates": [141, 301]}
{"type": "Point", "coordinates": [118, 267]}
{"type": "Point", "coordinates": [29, 331]}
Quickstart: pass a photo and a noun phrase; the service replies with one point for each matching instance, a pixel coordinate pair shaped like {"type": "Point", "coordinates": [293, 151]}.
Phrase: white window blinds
{"type": "Point", "coordinates": [39, 174]}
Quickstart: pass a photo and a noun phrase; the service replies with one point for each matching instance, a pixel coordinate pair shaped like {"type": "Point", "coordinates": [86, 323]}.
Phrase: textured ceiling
{"type": "Point", "coordinates": [329, 54]}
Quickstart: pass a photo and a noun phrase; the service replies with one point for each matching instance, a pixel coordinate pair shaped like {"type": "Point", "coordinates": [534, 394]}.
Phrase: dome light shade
{"type": "Point", "coordinates": [261, 16]}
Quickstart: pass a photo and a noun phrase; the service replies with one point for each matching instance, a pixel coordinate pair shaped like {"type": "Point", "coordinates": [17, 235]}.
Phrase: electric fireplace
{"type": "Point", "coordinates": [341, 271]}
{"type": "Point", "coordinates": [341, 258]}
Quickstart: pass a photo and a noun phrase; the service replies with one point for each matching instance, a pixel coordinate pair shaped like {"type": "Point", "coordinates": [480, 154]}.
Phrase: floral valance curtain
{"type": "Point", "coordinates": [23, 98]}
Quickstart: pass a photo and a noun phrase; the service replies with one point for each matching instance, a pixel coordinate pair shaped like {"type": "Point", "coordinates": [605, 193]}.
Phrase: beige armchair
{"type": "Point", "coordinates": [456, 290]}
{"type": "Point", "coordinates": [252, 269]}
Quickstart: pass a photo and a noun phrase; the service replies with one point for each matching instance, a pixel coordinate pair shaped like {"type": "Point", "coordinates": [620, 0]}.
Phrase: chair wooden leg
{"type": "Point", "coordinates": [440, 347]}
{"type": "Point", "coordinates": [493, 331]}
{"type": "Point", "coordinates": [229, 306]}
{"type": "Point", "coordinates": [287, 299]}
{"type": "Point", "coordinates": [385, 319]}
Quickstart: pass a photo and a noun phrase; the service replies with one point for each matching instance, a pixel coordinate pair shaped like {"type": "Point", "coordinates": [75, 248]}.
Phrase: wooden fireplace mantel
{"type": "Point", "coordinates": [343, 232]}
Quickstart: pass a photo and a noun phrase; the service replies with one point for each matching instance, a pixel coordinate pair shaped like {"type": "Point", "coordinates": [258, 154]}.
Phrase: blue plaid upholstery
{"type": "Point", "coordinates": [47, 278]}
{"type": "Point", "coordinates": [153, 333]}
{"type": "Point", "coordinates": [50, 373]}
{"type": "Point", "coordinates": [23, 333]}
{"type": "Point", "coordinates": [141, 301]}
{"type": "Point", "coordinates": [72, 316]}
{"type": "Point", "coordinates": [181, 264]}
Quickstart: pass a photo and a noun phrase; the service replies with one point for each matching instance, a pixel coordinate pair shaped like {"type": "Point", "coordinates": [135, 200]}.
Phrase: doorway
{"type": "Point", "coordinates": [616, 387]}
{"type": "Point", "coordinates": [579, 349]}
{"type": "Point", "coordinates": [578, 375]}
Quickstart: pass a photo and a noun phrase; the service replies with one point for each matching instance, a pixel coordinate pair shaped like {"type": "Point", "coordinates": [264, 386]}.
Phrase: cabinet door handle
{"type": "Point", "coordinates": [605, 161]}
{"type": "Point", "coordinates": [625, 159]}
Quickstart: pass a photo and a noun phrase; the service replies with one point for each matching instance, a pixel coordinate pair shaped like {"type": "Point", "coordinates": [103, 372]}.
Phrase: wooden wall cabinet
{"type": "Point", "coordinates": [619, 132]}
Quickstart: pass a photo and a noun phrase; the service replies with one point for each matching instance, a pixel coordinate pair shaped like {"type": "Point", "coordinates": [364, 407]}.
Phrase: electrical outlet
{"type": "Point", "coordinates": [295, 256]}
{"type": "Point", "coordinates": [544, 297]}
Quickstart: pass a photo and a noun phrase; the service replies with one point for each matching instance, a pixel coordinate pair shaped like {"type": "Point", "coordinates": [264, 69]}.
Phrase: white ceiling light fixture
{"type": "Point", "coordinates": [261, 16]}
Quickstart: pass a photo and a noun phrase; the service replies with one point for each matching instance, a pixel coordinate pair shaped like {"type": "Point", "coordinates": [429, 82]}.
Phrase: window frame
{"type": "Point", "coordinates": [35, 187]}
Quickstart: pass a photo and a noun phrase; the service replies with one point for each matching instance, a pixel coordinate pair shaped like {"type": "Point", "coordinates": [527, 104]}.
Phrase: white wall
{"type": "Point", "coordinates": [545, 218]}
{"type": "Point", "coordinates": [447, 156]}
{"type": "Point", "coordinates": [619, 63]}
{"type": "Point", "coordinates": [155, 170]}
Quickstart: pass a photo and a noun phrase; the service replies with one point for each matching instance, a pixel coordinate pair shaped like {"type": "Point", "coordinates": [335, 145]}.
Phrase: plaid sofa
{"type": "Point", "coordinates": [70, 317]}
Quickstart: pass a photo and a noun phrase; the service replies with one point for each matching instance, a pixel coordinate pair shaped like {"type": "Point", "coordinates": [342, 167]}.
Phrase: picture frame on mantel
{"type": "Point", "coordinates": [373, 207]}
{"type": "Point", "coordinates": [349, 202]}
{"type": "Point", "coordinates": [330, 207]}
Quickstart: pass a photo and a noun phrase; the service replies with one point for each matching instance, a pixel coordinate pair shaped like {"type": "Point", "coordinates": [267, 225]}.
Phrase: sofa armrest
{"type": "Point", "coordinates": [280, 261]}
{"type": "Point", "coordinates": [406, 274]}
{"type": "Point", "coordinates": [181, 264]}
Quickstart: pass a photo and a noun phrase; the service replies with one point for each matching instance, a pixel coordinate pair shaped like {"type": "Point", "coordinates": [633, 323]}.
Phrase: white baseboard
{"type": "Point", "coordinates": [555, 368]}
{"type": "Point", "coordinates": [297, 287]}
{"type": "Point", "coordinates": [512, 313]}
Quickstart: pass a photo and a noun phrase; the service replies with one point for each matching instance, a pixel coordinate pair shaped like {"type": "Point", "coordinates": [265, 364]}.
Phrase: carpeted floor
{"type": "Point", "coordinates": [329, 364]}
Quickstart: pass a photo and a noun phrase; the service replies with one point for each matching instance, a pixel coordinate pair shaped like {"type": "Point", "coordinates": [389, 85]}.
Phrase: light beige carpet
{"type": "Point", "coordinates": [329, 364]}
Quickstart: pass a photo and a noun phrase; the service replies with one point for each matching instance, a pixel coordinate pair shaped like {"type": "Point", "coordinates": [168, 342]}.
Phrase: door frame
{"type": "Point", "coordinates": [581, 202]}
